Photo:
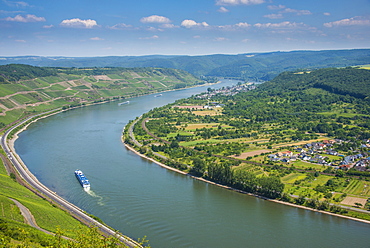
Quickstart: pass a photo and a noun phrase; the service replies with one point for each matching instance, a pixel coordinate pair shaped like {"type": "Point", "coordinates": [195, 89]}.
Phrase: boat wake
{"type": "Point", "coordinates": [93, 194]}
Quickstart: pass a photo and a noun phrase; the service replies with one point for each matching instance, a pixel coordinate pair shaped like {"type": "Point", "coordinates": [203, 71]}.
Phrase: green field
{"type": "Point", "coordinates": [359, 188]}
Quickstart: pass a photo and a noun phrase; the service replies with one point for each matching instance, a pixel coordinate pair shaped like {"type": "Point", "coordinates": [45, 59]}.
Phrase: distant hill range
{"type": "Point", "coordinates": [251, 66]}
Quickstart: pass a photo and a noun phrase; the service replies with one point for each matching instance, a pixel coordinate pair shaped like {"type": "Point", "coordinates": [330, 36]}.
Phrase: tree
{"type": "Point", "coordinates": [358, 205]}
{"type": "Point", "coordinates": [174, 144]}
{"type": "Point", "coordinates": [198, 167]}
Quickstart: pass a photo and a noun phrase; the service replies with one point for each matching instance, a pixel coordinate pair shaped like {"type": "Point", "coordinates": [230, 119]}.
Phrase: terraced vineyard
{"type": "Point", "coordinates": [23, 91]}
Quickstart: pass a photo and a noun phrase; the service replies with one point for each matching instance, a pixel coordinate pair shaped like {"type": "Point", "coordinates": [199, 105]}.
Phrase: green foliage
{"type": "Point", "coordinates": [345, 81]}
{"type": "Point", "coordinates": [292, 107]}
{"type": "Point", "coordinates": [16, 72]}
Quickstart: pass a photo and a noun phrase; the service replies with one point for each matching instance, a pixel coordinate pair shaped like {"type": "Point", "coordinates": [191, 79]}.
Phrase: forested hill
{"type": "Point", "coordinates": [15, 72]}
{"type": "Point", "coordinates": [251, 66]}
{"type": "Point", "coordinates": [345, 81]}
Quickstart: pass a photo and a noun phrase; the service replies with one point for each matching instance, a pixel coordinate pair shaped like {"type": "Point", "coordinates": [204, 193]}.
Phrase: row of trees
{"type": "Point", "coordinates": [221, 171]}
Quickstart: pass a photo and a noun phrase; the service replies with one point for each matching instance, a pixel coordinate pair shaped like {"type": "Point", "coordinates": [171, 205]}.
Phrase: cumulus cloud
{"type": "Point", "coordinates": [239, 2]}
{"type": "Point", "coordinates": [193, 24]}
{"type": "Point", "coordinates": [48, 26]}
{"type": "Point", "coordinates": [243, 25]}
{"type": "Point", "coordinates": [354, 21]}
{"type": "Point", "coordinates": [78, 23]}
{"type": "Point", "coordinates": [155, 19]}
{"type": "Point", "coordinates": [27, 18]}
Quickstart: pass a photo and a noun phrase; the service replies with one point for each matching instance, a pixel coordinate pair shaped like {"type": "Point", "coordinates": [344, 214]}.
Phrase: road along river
{"type": "Point", "coordinates": [140, 198]}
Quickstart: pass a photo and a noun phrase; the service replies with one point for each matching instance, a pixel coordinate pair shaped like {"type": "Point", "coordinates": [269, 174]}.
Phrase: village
{"type": "Point", "coordinates": [324, 153]}
{"type": "Point", "coordinates": [228, 91]}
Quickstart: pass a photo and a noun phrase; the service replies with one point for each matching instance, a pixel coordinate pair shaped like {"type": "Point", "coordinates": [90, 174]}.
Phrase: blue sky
{"type": "Point", "coordinates": [180, 27]}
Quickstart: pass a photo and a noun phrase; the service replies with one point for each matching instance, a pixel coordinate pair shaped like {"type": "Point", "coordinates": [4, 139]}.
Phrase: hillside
{"type": "Point", "coordinates": [253, 66]}
{"type": "Point", "coordinates": [27, 89]}
{"type": "Point", "coordinates": [302, 137]}
{"type": "Point", "coordinates": [12, 224]}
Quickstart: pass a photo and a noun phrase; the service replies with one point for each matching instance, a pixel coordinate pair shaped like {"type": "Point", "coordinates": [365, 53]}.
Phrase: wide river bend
{"type": "Point", "coordinates": [140, 198]}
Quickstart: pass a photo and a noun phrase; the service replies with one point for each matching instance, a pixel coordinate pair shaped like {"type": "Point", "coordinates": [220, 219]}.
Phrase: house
{"type": "Point", "coordinates": [331, 152]}
{"type": "Point", "coordinates": [287, 153]}
{"type": "Point", "coordinates": [344, 166]}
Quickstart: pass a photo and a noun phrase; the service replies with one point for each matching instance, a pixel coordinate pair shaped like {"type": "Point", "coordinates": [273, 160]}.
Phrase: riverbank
{"type": "Point", "coordinates": [240, 191]}
{"type": "Point", "coordinates": [25, 125]}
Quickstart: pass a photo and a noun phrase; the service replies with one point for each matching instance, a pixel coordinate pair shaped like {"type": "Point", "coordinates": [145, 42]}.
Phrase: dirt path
{"type": "Point", "coordinates": [29, 219]}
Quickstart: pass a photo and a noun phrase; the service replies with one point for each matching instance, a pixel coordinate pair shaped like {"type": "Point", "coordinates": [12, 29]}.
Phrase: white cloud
{"type": "Point", "coordinates": [296, 11]}
{"type": "Point", "coordinates": [155, 19]}
{"type": "Point", "coordinates": [48, 26]}
{"type": "Point", "coordinates": [223, 10]}
{"type": "Point", "coordinates": [96, 38]}
{"type": "Point", "coordinates": [274, 16]}
{"type": "Point", "coordinates": [275, 7]}
{"type": "Point", "coordinates": [327, 14]}
{"type": "Point", "coordinates": [21, 41]}
{"type": "Point", "coordinates": [16, 4]}
{"type": "Point", "coordinates": [278, 25]}
{"type": "Point", "coordinates": [221, 39]}
{"type": "Point", "coordinates": [283, 10]}
{"type": "Point", "coordinates": [154, 37]}
{"type": "Point", "coordinates": [153, 29]}
{"type": "Point", "coordinates": [354, 21]}
{"type": "Point", "coordinates": [27, 18]}
{"type": "Point", "coordinates": [78, 23]}
{"type": "Point", "coordinates": [5, 12]}
{"type": "Point", "coordinates": [235, 27]}
{"type": "Point", "coordinates": [243, 25]}
{"type": "Point", "coordinates": [239, 2]}
{"type": "Point", "coordinates": [193, 24]}
{"type": "Point", "coordinates": [168, 25]}
{"type": "Point", "coordinates": [121, 26]}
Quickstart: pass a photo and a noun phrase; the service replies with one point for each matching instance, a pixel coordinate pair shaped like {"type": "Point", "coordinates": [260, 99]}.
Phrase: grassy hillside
{"type": "Point", "coordinates": [253, 66]}
{"type": "Point", "coordinates": [26, 90]}
{"type": "Point", "coordinates": [47, 216]}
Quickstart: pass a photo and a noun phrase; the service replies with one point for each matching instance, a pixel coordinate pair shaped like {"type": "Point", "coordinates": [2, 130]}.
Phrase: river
{"type": "Point", "coordinates": [140, 198]}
